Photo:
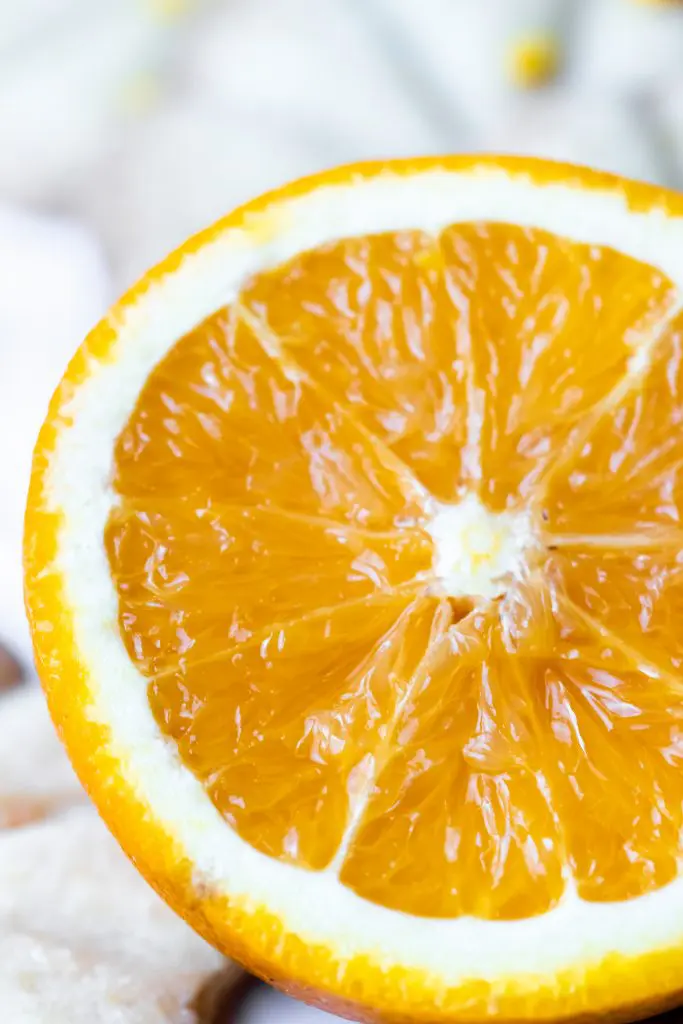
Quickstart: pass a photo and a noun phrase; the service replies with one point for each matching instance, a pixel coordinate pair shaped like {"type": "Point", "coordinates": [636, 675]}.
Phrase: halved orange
{"type": "Point", "coordinates": [354, 564]}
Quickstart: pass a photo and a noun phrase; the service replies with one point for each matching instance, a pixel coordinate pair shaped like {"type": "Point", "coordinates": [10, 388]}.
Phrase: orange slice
{"type": "Point", "coordinates": [354, 565]}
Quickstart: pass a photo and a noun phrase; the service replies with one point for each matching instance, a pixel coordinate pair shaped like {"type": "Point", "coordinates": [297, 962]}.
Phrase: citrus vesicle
{"type": "Point", "coordinates": [374, 585]}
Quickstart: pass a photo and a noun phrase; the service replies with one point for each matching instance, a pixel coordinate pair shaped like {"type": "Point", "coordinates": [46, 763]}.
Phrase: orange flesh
{"type": "Point", "coordinates": [348, 707]}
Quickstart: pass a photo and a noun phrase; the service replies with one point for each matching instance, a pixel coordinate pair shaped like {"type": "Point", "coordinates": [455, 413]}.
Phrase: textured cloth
{"type": "Point", "coordinates": [83, 939]}
{"type": "Point", "coordinates": [156, 116]}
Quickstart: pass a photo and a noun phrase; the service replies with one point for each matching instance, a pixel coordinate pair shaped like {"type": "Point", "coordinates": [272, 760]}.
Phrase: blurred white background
{"type": "Point", "coordinates": [125, 125]}
{"type": "Point", "coordinates": [146, 119]}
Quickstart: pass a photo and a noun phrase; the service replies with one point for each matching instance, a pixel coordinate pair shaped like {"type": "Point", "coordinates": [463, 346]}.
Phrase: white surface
{"type": "Point", "coordinates": [576, 931]}
{"type": "Point", "coordinates": [149, 118]}
{"type": "Point", "coordinates": [83, 939]}
{"type": "Point", "coordinates": [53, 289]}
{"type": "Point", "coordinates": [36, 779]}
{"type": "Point", "coordinates": [266, 1007]}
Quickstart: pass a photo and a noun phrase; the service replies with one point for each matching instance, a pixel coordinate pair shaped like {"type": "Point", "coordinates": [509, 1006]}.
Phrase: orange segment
{"type": "Point", "coordinates": [408, 331]}
{"type": "Point", "coordinates": [195, 581]}
{"type": "Point", "coordinates": [627, 477]}
{"type": "Point", "coordinates": [615, 741]}
{"type": "Point", "coordinates": [294, 720]}
{"type": "Point", "coordinates": [634, 597]}
{"type": "Point", "coordinates": [550, 326]}
{"type": "Point", "coordinates": [221, 419]}
{"type": "Point", "coordinates": [371, 319]}
{"type": "Point", "coordinates": [614, 752]}
{"type": "Point", "coordinates": [461, 820]}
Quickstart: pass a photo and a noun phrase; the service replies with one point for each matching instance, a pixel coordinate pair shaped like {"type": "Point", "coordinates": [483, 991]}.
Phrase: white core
{"type": "Point", "coordinates": [476, 550]}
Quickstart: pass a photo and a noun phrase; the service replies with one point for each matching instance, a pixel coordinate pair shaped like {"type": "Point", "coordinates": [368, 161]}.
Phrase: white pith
{"type": "Point", "coordinates": [315, 906]}
{"type": "Point", "coordinates": [477, 550]}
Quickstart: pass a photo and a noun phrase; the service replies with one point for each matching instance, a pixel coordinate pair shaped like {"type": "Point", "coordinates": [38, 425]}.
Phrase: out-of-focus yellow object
{"type": "Point", "coordinates": [169, 10]}
{"type": "Point", "coordinates": [534, 60]}
{"type": "Point", "coordinates": [142, 93]}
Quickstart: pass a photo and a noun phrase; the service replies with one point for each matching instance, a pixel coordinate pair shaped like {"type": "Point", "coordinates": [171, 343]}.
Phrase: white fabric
{"type": "Point", "coordinates": [152, 117]}
{"type": "Point", "coordinates": [83, 940]}
{"type": "Point", "coordinates": [265, 1007]}
{"type": "Point", "coordinates": [53, 288]}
